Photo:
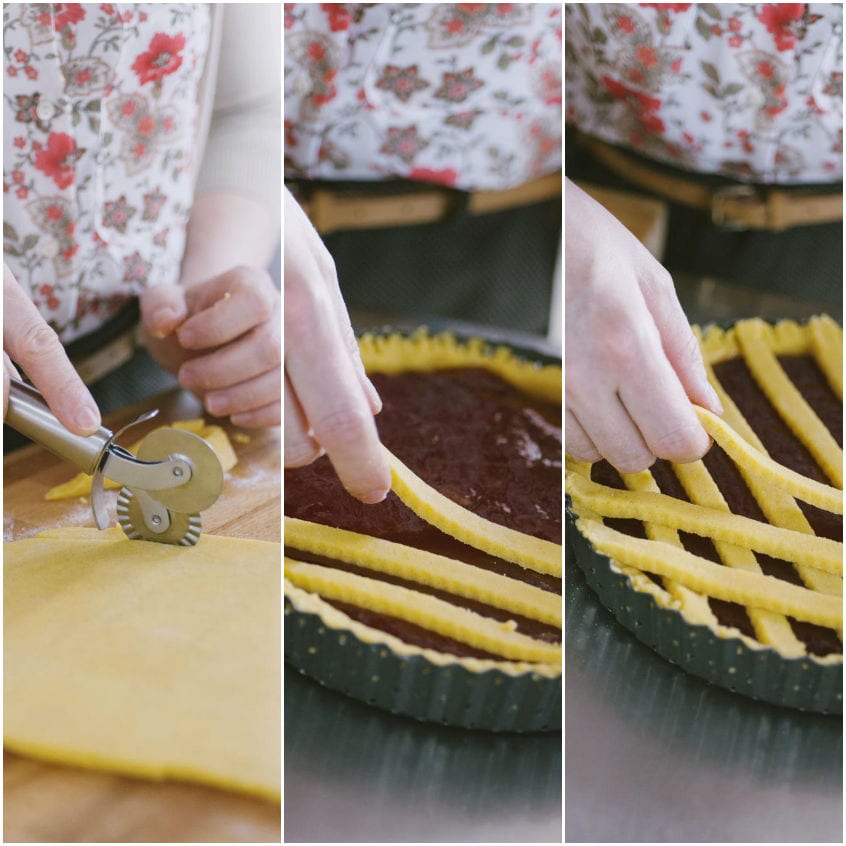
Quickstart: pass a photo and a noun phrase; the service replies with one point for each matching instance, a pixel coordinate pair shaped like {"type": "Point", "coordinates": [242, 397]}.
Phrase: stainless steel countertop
{"type": "Point", "coordinates": [653, 754]}
{"type": "Point", "coordinates": [656, 755]}
{"type": "Point", "coordinates": [356, 774]}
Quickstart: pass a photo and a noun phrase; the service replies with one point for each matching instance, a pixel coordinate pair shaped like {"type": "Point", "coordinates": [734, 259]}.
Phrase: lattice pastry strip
{"type": "Point", "coordinates": [716, 580]}
{"type": "Point", "coordinates": [777, 505]}
{"type": "Point", "coordinates": [429, 569]}
{"type": "Point", "coordinates": [695, 604]}
{"type": "Point", "coordinates": [437, 615]}
{"type": "Point", "coordinates": [430, 505]}
{"type": "Point", "coordinates": [787, 400]}
{"type": "Point", "coordinates": [825, 340]}
{"type": "Point", "coordinates": [760, 464]}
{"type": "Point", "coordinates": [770, 628]}
{"type": "Point", "coordinates": [425, 568]}
{"type": "Point", "coordinates": [810, 550]}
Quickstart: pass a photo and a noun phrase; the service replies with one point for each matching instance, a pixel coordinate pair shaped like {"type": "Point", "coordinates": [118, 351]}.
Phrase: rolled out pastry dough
{"type": "Point", "coordinates": [146, 659]}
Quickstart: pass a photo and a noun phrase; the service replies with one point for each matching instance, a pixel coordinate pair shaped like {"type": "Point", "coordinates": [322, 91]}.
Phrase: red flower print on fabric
{"type": "Point", "coordinates": [626, 24]}
{"type": "Point", "coordinates": [316, 51]}
{"type": "Point", "coordinates": [641, 102]}
{"type": "Point", "coordinates": [457, 87]}
{"type": "Point", "coordinates": [65, 14]}
{"type": "Point", "coordinates": [402, 82]}
{"type": "Point", "coordinates": [136, 268]}
{"type": "Point", "coordinates": [667, 7]}
{"type": "Point", "coordinates": [403, 142]}
{"type": "Point", "coordinates": [161, 58]}
{"type": "Point", "coordinates": [117, 213]}
{"type": "Point", "coordinates": [551, 86]}
{"type": "Point", "coordinates": [446, 176]}
{"type": "Point", "coordinates": [153, 203]}
{"type": "Point", "coordinates": [338, 16]}
{"type": "Point", "coordinates": [641, 106]}
{"type": "Point", "coordinates": [57, 158]}
{"type": "Point", "coordinates": [780, 20]}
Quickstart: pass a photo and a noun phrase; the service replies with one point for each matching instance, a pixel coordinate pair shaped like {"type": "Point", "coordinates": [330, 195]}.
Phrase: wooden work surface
{"type": "Point", "coordinates": [49, 803]}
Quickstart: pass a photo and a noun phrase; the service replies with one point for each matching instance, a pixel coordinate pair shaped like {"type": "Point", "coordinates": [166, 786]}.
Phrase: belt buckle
{"type": "Point", "coordinates": [728, 193]}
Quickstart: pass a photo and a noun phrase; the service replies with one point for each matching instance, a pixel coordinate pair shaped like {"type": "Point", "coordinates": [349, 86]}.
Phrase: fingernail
{"type": "Point", "coordinates": [186, 337]}
{"type": "Point", "coordinates": [373, 396]}
{"type": "Point", "coordinates": [185, 376]}
{"type": "Point", "coordinates": [216, 405]}
{"type": "Point", "coordinates": [87, 419]}
{"type": "Point", "coordinates": [163, 315]}
{"type": "Point", "coordinates": [162, 322]}
{"type": "Point", "coordinates": [716, 405]}
{"type": "Point", "coordinates": [374, 496]}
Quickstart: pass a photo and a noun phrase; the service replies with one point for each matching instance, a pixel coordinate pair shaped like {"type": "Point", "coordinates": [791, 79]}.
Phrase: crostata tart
{"type": "Point", "coordinates": [444, 601]}
{"type": "Point", "coordinates": [732, 566]}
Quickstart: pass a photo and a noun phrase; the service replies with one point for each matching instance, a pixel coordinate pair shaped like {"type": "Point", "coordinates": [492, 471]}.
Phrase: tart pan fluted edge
{"type": "Point", "coordinates": [412, 685]}
{"type": "Point", "coordinates": [347, 658]}
{"type": "Point", "coordinates": [759, 673]}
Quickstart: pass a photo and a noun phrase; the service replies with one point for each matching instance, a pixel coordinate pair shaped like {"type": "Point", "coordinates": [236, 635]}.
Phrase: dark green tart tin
{"type": "Point", "coordinates": [415, 687]}
{"type": "Point", "coordinates": [730, 663]}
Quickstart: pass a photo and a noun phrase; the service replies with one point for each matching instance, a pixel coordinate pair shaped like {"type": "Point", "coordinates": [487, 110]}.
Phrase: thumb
{"type": "Point", "coordinates": [163, 309]}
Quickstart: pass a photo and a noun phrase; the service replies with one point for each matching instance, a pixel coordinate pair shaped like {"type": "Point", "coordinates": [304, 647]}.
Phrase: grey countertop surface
{"type": "Point", "coordinates": [356, 774]}
{"type": "Point", "coordinates": [656, 755]}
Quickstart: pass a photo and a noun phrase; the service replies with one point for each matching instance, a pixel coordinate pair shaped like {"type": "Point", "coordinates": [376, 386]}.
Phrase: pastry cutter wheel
{"type": "Point", "coordinates": [175, 475]}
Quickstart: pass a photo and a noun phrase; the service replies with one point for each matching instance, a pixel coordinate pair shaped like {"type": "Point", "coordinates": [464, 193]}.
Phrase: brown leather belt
{"type": "Point", "coordinates": [737, 206]}
{"type": "Point", "coordinates": [109, 357]}
{"type": "Point", "coordinates": [331, 210]}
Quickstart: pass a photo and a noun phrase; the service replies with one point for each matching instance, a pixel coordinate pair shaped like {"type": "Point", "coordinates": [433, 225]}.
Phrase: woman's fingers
{"type": "Point", "coordinates": [246, 396]}
{"type": "Point", "coordinates": [36, 348]}
{"type": "Point", "coordinates": [654, 397]}
{"type": "Point", "coordinates": [338, 414]}
{"type": "Point", "coordinates": [633, 365]}
{"type": "Point", "coordinates": [163, 308]}
{"type": "Point", "coordinates": [679, 343]}
{"type": "Point", "coordinates": [326, 266]}
{"type": "Point", "coordinates": [227, 306]}
{"type": "Point", "coordinates": [323, 369]}
{"type": "Point", "coordinates": [579, 445]}
{"type": "Point", "coordinates": [255, 353]}
{"type": "Point", "coordinates": [300, 447]}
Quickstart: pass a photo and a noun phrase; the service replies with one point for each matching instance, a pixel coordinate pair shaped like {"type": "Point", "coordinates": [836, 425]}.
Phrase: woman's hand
{"type": "Point", "coordinates": [36, 349]}
{"type": "Point", "coordinates": [329, 401]}
{"type": "Point", "coordinates": [221, 338]}
{"type": "Point", "coordinates": [218, 330]}
{"type": "Point", "coordinates": [633, 365]}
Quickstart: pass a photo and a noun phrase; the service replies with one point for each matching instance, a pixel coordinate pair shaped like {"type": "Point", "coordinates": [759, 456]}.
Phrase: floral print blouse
{"type": "Point", "coordinates": [100, 121]}
{"type": "Point", "coordinates": [747, 90]}
{"type": "Point", "coordinates": [465, 94]}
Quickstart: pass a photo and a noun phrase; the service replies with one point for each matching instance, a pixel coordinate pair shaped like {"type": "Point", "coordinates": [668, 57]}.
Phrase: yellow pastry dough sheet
{"type": "Point", "coordinates": [146, 659]}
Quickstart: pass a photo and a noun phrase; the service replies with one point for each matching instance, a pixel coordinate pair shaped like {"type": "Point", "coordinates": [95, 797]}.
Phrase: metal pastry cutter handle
{"type": "Point", "coordinates": [152, 482]}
